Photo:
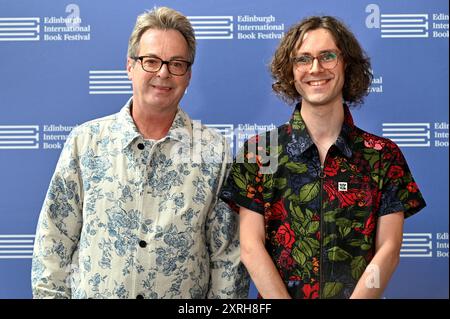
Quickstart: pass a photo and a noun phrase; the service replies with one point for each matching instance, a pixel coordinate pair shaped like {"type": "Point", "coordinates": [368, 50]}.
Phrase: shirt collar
{"type": "Point", "coordinates": [301, 135]}
{"type": "Point", "coordinates": [180, 130]}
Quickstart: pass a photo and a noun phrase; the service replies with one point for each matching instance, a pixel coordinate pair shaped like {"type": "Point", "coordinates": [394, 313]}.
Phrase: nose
{"type": "Point", "coordinates": [315, 66]}
{"type": "Point", "coordinates": [164, 71]}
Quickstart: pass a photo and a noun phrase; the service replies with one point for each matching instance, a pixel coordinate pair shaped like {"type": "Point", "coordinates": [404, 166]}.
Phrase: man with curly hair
{"type": "Point", "coordinates": [327, 221]}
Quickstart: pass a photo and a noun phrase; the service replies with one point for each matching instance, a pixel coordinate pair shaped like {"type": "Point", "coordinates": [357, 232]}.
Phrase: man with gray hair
{"type": "Point", "coordinates": [132, 208]}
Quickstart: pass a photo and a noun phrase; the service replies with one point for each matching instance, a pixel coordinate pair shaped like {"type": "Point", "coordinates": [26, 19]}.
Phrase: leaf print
{"type": "Point", "coordinates": [250, 168]}
{"type": "Point", "coordinates": [299, 256]}
{"type": "Point", "coordinates": [331, 289]}
{"type": "Point", "coordinates": [329, 239]}
{"type": "Point", "coordinates": [361, 214]}
{"type": "Point", "coordinates": [239, 181]}
{"type": "Point", "coordinates": [403, 194]}
{"type": "Point", "coordinates": [356, 243]}
{"type": "Point", "coordinates": [309, 214]}
{"type": "Point", "coordinates": [356, 224]}
{"type": "Point", "coordinates": [293, 198]}
{"type": "Point", "coordinates": [309, 191]}
{"type": "Point", "coordinates": [371, 156]}
{"type": "Point", "coordinates": [279, 149]}
{"type": "Point", "coordinates": [344, 226]}
{"type": "Point", "coordinates": [296, 212]}
{"type": "Point", "coordinates": [308, 246]}
{"type": "Point", "coordinates": [298, 229]}
{"type": "Point", "coordinates": [268, 181]}
{"type": "Point", "coordinates": [297, 168]}
{"type": "Point", "coordinates": [344, 222]}
{"type": "Point", "coordinates": [329, 217]}
{"type": "Point", "coordinates": [280, 183]}
{"type": "Point", "coordinates": [283, 160]}
{"type": "Point", "coordinates": [297, 121]}
{"type": "Point", "coordinates": [338, 254]}
{"type": "Point", "coordinates": [287, 193]}
{"type": "Point", "coordinates": [376, 178]}
{"type": "Point", "coordinates": [358, 266]}
{"type": "Point", "coordinates": [344, 231]}
{"type": "Point", "coordinates": [267, 196]}
{"type": "Point", "coordinates": [313, 227]}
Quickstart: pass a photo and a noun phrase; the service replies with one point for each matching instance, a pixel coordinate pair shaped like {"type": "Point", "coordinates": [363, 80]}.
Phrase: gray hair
{"type": "Point", "coordinates": [162, 18]}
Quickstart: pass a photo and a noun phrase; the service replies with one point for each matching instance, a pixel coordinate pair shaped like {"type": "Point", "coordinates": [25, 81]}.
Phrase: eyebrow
{"type": "Point", "coordinates": [320, 52]}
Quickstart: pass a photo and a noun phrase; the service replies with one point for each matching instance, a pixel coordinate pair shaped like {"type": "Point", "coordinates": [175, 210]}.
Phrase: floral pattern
{"type": "Point", "coordinates": [321, 221]}
{"type": "Point", "coordinates": [125, 216]}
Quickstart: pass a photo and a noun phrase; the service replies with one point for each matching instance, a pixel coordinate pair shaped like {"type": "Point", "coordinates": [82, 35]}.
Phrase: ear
{"type": "Point", "coordinates": [130, 67]}
{"type": "Point", "coordinates": [189, 75]}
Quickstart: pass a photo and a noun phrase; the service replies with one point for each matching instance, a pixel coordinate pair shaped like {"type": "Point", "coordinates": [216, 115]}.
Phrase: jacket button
{"type": "Point", "coordinates": [140, 146]}
{"type": "Point", "coordinates": [143, 244]}
{"type": "Point", "coordinates": [139, 297]}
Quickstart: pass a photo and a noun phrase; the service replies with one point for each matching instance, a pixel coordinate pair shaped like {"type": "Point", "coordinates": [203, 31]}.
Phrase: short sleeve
{"type": "Point", "coordinates": [244, 185]}
{"type": "Point", "coordinates": [399, 190]}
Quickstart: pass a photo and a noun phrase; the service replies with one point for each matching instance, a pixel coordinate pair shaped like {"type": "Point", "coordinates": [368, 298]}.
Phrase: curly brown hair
{"type": "Point", "coordinates": [358, 75]}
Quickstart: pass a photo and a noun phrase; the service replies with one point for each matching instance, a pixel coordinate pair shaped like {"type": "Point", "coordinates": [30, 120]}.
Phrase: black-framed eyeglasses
{"type": "Point", "coordinates": [154, 64]}
{"type": "Point", "coordinates": [327, 60]}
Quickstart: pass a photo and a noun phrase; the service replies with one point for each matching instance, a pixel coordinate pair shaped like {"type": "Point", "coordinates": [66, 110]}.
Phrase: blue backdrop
{"type": "Point", "coordinates": [63, 63]}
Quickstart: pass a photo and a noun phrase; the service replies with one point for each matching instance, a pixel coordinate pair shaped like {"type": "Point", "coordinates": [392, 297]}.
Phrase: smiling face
{"type": "Point", "coordinates": [316, 85]}
{"type": "Point", "coordinates": [159, 91]}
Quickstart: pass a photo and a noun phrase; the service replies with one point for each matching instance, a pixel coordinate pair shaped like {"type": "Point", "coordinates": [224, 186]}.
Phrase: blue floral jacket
{"type": "Point", "coordinates": [126, 217]}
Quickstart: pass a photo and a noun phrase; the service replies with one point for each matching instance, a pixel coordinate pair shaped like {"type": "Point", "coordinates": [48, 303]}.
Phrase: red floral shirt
{"type": "Point", "coordinates": [321, 221]}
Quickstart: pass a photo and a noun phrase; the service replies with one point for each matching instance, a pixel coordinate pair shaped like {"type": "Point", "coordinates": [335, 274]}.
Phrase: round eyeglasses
{"type": "Point", "coordinates": [327, 60]}
{"type": "Point", "coordinates": [153, 64]}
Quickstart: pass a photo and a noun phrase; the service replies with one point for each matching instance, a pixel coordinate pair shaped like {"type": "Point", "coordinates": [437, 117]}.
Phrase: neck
{"type": "Point", "coordinates": [152, 124]}
{"type": "Point", "coordinates": [324, 124]}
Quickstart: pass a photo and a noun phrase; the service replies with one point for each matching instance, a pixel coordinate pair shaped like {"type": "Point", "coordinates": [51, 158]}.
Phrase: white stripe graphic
{"type": "Point", "coordinates": [401, 20]}
{"type": "Point", "coordinates": [10, 24]}
{"type": "Point", "coordinates": [100, 87]}
{"type": "Point", "coordinates": [16, 252]}
{"type": "Point", "coordinates": [16, 246]}
{"type": "Point", "coordinates": [227, 130]}
{"type": "Point", "coordinates": [387, 15]}
{"type": "Point", "coordinates": [111, 92]}
{"type": "Point", "coordinates": [404, 25]}
{"type": "Point", "coordinates": [406, 31]}
{"type": "Point", "coordinates": [17, 29]}
{"type": "Point", "coordinates": [108, 77]}
{"type": "Point", "coordinates": [408, 134]}
{"type": "Point", "coordinates": [109, 82]}
{"type": "Point", "coordinates": [17, 236]}
{"type": "Point", "coordinates": [212, 27]}
{"type": "Point", "coordinates": [417, 245]}
{"type": "Point", "coordinates": [19, 136]}
{"type": "Point", "coordinates": [405, 35]}
{"type": "Point", "coordinates": [16, 241]}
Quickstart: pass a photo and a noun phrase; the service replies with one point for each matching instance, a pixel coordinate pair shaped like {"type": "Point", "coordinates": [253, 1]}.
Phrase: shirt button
{"type": "Point", "coordinates": [140, 146]}
{"type": "Point", "coordinates": [139, 297]}
{"type": "Point", "coordinates": [143, 244]}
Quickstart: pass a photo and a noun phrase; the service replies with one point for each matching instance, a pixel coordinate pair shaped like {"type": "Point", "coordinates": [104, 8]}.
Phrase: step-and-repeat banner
{"type": "Point", "coordinates": [63, 63]}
